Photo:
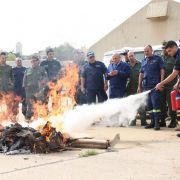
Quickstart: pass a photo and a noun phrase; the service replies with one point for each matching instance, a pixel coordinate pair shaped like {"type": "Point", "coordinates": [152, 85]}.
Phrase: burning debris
{"type": "Point", "coordinates": [16, 139]}
{"type": "Point", "coordinates": [25, 139]}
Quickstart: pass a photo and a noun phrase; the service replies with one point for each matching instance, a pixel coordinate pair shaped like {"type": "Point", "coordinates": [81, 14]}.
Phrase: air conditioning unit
{"type": "Point", "coordinates": [157, 10]}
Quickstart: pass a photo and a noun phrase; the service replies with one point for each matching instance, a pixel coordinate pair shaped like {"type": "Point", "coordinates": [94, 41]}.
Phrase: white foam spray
{"type": "Point", "coordinates": [125, 109]}
{"type": "Point", "coordinates": [113, 112]}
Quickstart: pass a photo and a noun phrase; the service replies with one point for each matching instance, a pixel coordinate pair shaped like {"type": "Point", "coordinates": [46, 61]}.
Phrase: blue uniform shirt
{"type": "Point", "coordinates": [150, 68]}
{"type": "Point", "coordinates": [94, 75]}
{"type": "Point", "coordinates": [120, 80]}
{"type": "Point", "coordinates": [52, 68]}
{"type": "Point", "coordinates": [177, 64]}
{"type": "Point", "coordinates": [18, 73]}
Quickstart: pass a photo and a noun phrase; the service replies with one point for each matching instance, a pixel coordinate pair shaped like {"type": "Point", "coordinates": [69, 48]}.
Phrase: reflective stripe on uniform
{"type": "Point", "coordinates": [151, 111]}
{"type": "Point", "coordinates": [156, 110]}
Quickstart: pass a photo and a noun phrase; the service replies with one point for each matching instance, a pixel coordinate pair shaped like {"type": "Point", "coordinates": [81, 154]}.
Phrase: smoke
{"type": "Point", "coordinates": [113, 111]}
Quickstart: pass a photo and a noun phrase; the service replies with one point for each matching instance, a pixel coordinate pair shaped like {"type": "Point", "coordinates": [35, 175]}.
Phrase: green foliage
{"type": "Point", "coordinates": [64, 52]}
{"type": "Point", "coordinates": [88, 153]}
{"type": "Point", "coordinates": [11, 56]}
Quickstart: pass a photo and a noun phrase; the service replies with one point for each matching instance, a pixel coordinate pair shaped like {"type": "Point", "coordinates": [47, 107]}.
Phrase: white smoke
{"type": "Point", "coordinates": [113, 112]}
{"type": "Point", "coordinates": [125, 109]}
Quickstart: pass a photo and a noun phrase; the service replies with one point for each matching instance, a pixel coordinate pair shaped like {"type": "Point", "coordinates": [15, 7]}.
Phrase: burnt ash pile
{"type": "Point", "coordinates": [16, 139]}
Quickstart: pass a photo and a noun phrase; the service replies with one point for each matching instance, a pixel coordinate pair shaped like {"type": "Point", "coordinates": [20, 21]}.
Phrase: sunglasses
{"type": "Point", "coordinates": [91, 57]}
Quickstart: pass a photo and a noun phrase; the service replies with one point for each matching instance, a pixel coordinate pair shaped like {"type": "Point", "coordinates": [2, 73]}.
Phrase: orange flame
{"type": "Point", "coordinates": [9, 106]}
{"type": "Point", "coordinates": [61, 96]}
{"type": "Point", "coordinates": [61, 99]}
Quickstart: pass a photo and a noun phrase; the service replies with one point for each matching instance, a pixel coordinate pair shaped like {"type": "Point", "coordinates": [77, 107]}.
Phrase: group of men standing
{"type": "Point", "coordinates": [28, 83]}
{"type": "Point", "coordinates": [131, 77]}
{"type": "Point", "coordinates": [155, 73]}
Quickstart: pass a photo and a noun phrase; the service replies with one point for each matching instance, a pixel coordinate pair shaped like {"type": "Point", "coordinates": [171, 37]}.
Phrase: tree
{"type": "Point", "coordinates": [11, 56]}
{"type": "Point", "coordinates": [64, 52]}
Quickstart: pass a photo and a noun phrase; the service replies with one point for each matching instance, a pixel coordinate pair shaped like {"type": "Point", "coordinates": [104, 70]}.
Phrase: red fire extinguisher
{"type": "Point", "coordinates": [175, 100]}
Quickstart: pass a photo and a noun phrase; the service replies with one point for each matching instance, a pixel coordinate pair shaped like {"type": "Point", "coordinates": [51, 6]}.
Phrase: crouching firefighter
{"type": "Point", "coordinates": [151, 73]}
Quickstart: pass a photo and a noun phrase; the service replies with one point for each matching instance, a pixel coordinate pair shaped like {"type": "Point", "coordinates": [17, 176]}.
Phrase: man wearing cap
{"type": "Point", "coordinates": [93, 82]}
{"type": "Point", "coordinates": [34, 81]}
{"type": "Point", "coordinates": [125, 54]}
{"type": "Point", "coordinates": [169, 62]}
{"type": "Point", "coordinates": [118, 73]}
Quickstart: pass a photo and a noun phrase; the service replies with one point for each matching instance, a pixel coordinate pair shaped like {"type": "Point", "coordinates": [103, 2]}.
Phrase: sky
{"type": "Point", "coordinates": [38, 24]}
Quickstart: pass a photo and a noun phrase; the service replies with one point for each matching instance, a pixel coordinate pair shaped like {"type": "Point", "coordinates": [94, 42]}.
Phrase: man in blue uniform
{"type": "Point", "coordinates": [18, 73]}
{"type": "Point", "coordinates": [172, 50]}
{"type": "Point", "coordinates": [93, 81]}
{"type": "Point", "coordinates": [151, 73]}
{"type": "Point", "coordinates": [51, 65]}
{"type": "Point", "coordinates": [118, 73]}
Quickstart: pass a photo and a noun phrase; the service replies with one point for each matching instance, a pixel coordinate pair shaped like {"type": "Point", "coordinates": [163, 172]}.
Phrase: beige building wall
{"type": "Point", "coordinates": [138, 30]}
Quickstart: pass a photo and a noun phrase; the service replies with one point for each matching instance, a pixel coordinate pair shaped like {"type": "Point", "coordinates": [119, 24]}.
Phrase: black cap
{"type": "Point", "coordinates": [125, 52]}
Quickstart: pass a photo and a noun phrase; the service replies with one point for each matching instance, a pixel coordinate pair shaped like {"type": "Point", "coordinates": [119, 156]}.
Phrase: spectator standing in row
{"type": "Point", "coordinates": [151, 73]}
{"type": "Point", "coordinates": [118, 74]}
{"type": "Point", "coordinates": [93, 82]}
{"type": "Point", "coordinates": [133, 85]}
{"type": "Point", "coordinates": [18, 73]}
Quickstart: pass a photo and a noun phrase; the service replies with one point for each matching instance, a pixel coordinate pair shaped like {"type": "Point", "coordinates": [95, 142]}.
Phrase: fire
{"type": "Point", "coordinates": [61, 97]}
{"type": "Point", "coordinates": [46, 131]}
{"type": "Point", "coordinates": [62, 93]}
{"type": "Point", "coordinates": [9, 106]}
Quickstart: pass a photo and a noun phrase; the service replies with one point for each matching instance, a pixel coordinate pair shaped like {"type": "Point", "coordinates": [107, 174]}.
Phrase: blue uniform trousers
{"type": "Point", "coordinates": [116, 93]}
{"type": "Point", "coordinates": [93, 93]}
{"type": "Point", "coordinates": [154, 104]}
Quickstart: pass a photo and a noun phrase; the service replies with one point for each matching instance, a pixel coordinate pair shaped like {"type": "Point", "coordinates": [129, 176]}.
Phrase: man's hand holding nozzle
{"type": "Point", "coordinates": [159, 87]}
{"type": "Point", "coordinates": [175, 87]}
{"type": "Point", "coordinates": [139, 90]}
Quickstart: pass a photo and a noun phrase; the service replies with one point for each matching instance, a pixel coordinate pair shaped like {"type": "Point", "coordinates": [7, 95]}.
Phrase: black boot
{"type": "Point", "coordinates": [157, 126]}
{"type": "Point", "coordinates": [143, 123]}
{"type": "Point", "coordinates": [151, 125]}
{"type": "Point", "coordinates": [163, 123]}
{"type": "Point", "coordinates": [133, 123]}
{"type": "Point", "coordinates": [173, 122]}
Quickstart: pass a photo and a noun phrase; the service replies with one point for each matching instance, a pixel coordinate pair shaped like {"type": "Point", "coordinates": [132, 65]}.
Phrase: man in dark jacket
{"type": "Point", "coordinates": [118, 74]}
{"type": "Point", "coordinates": [51, 65]}
{"type": "Point", "coordinates": [18, 73]}
{"type": "Point", "coordinates": [93, 81]}
{"type": "Point", "coordinates": [151, 73]}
